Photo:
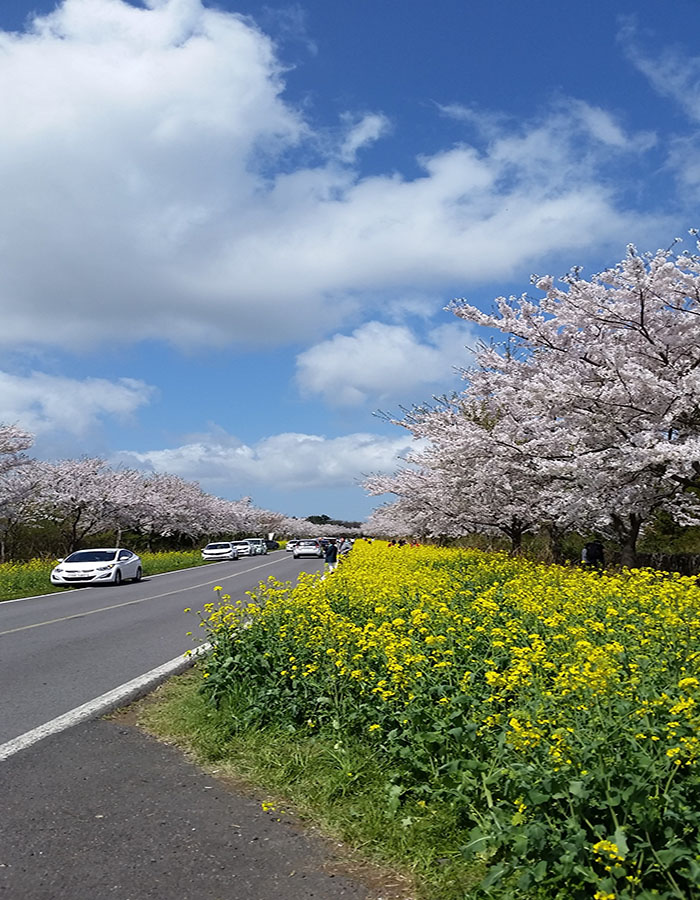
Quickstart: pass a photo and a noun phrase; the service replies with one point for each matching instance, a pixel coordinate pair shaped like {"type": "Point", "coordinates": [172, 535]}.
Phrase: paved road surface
{"type": "Point", "coordinates": [101, 811]}
{"type": "Point", "coordinates": [62, 650]}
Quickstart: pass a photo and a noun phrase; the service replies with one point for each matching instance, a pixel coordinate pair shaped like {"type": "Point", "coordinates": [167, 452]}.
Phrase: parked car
{"type": "Point", "coordinates": [220, 550]}
{"type": "Point", "coordinates": [245, 548]}
{"type": "Point", "coordinates": [291, 545]}
{"type": "Point", "coordinates": [273, 545]}
{"type": "Point", "coordinates": [260, 545]}
{"type": "Point", "coordinates": [103, 565]}
{"type": "Point", "coordinates": [308, 548]}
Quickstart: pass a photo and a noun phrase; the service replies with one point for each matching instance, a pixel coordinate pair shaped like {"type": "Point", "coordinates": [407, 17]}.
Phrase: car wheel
{"type": "Point", "coordinates": [138, 575]}
{"type": "Point", "coordinates": [117, 577]}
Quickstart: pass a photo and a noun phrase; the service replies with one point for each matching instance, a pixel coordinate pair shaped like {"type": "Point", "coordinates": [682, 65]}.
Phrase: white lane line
{"type": "Point", "coordinates": [91, 612]}
{"type": "Point", "coordinates": [54, 593]}
{"type": "Point", "coordinates": [102, 704]}
{"type": "Point", "coordinates": [149, 577]}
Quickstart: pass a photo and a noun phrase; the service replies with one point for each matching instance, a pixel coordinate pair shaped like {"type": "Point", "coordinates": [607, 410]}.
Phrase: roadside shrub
{"type": "Point", "coordinates": [553, 711]}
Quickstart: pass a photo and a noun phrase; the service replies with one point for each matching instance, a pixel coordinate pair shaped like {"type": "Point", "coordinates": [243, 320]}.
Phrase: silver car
{"type": "Point", "coordinates": [308, 548]}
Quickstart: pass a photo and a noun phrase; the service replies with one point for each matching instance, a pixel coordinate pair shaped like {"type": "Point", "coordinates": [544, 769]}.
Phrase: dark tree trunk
{"type": "Point", "coordinates": [553, 536]}
{"type": "Point", "coordinates": [627, 531]}
{"type": "Point", "coordinates": [515, 531]}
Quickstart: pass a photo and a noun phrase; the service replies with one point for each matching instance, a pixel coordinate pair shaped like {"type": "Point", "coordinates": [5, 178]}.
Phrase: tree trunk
{"type": "Point", "coordinates": [627, 530]}
{"type": "Point", "coordinates": [515, 531]}
{"type": "Point", "coordinates": [554, 536]}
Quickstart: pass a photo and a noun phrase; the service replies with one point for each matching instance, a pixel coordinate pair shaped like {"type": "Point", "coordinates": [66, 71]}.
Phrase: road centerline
{"type": "Point", "coordinates": [91, 612]}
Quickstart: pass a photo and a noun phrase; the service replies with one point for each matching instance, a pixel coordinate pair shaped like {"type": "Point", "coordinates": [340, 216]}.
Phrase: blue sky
{"type": "Point", "coordinates": [230, 232]}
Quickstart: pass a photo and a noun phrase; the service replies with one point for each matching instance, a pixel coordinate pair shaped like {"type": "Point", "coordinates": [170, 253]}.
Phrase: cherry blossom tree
{"type": "Point", "coordinates": [601, 380]}
{"type": "Point", "coordinates": [13, 442]}
{"type": "Point", "coordinates": [74, 495]}
{"type": "Point", "coordinates": [586, 415]}
{"type": "Point", "coordinates": [19, 493]}
{"type": "Point", "coordinates": [13, 489]}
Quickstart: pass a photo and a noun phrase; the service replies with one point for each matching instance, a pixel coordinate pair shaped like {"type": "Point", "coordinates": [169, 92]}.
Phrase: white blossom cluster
{"type": "Point", "coordinates": [86, 496]}
{"type": "Point", "coordinates": [586, 416]}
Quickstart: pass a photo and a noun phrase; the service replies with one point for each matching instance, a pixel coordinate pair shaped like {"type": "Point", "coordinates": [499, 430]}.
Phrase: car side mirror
{"type": "Point", "coordinates": [61, 559]}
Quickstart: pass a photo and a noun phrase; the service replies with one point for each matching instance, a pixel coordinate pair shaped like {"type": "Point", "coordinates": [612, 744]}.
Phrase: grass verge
{"type": "Point", "coordinates": [343, 788]}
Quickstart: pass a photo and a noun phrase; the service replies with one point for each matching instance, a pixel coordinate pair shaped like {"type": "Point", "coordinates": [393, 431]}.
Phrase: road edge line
{"type": "Point", "coordinates": [156, 575]}
{"type": "Point", "coordinates": [119, 696]}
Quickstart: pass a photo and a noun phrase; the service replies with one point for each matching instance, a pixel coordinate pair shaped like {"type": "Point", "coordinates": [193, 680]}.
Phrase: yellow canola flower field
{"type": "Point", "coordinates": [395, 620]}
{"type": "Point", "coordinates": [555, 708]}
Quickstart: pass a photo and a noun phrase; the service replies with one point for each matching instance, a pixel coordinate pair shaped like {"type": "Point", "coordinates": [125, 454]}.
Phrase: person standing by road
{"type": "Point", "coordinates": [331, 556]}
{"type": "Point", "coordinates": [593, 554]}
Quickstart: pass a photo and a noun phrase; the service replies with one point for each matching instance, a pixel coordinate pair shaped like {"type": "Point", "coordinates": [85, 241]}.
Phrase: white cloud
{"type": "Point", "coordinates": [383, 362]}
{"type": "Point", "coordinates": [568, 114]}
{"type": "Point", "coordinates": [41, 403]}
{"type": "Point", "coordinates": [672, 72]}
{"type": "Point", "coordinates": [604, 127]}
{"type": "Point", "coordinates": [284, 461]}
{"type": "Point", "coordinates": [366, 131]}
{"type": "Point", "coordinates": [148, 190]}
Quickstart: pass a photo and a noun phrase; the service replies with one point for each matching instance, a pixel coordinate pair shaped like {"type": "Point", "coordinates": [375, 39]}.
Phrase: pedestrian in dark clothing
{"type": "Point", "coordinates": [593, 555]}
{"type": "Point", "coordinates": [331, 556]}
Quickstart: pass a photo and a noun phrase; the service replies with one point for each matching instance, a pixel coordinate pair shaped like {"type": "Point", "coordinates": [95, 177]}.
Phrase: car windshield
{"type": "Point", "coordinates": [91, 556]}
{"type": "Point", "coordinates": [241, 543]}
{"type": "Point", "coordinates": [217, 547]}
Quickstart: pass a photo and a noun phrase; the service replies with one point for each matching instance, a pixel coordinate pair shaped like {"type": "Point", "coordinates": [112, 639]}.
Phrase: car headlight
{"type": "Point", "coordinates": [104, 568]}
{"type": "Point", "coordinates": [58, 569]}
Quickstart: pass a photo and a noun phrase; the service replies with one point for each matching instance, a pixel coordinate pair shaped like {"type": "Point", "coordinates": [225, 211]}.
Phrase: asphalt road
{"type": "Point", "coordinates": [103, 812]}
{"type": "Point", "coordinates": [65, 649]}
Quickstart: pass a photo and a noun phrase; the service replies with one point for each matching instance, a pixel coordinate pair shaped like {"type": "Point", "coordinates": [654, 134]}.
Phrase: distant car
{"type": "Point", "coordinates": [103, 565]}
{"type": "Point", "coordinates": [220, 550]}
{"type": "Point", "coordinates": [290, 546]}
{"type": "Point", "coordinates": [272, 545]}
{"type": "Point", "coordinates": [245, 548]}
{"type": "Point", "coordinates": [308, 548]}
{"type": "Point", "coordinates": [260, 545]}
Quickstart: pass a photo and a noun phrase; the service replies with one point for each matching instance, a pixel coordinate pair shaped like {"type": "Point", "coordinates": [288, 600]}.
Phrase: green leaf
{"type": "Point", "coordinates": [494, 875]}
{"type": "Point", "coordinates": [540, 870]}
{"type": "Point", "coordinates": [620, 839]}
{"type": "Point", "coordinates": [577, 789]}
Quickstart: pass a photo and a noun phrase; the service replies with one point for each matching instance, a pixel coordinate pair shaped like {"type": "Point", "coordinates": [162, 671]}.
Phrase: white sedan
{"type": "Point", "coordinates": [100, 566]}
{"type": "Point", "coordinates": [220, 550]}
